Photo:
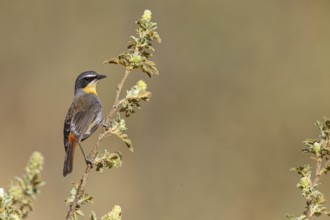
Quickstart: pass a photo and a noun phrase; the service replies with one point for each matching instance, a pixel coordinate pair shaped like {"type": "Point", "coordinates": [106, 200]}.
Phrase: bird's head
{"type": "Point", "coordinates": [87, 81]}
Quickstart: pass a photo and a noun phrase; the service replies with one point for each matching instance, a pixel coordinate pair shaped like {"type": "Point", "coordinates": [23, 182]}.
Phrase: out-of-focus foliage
{"type": "Point", "coordinates": [115, 214]}
{"type": "Point", "coordinates": [309, 182]}
{"type": "Point", "coordinates": [17, 202]}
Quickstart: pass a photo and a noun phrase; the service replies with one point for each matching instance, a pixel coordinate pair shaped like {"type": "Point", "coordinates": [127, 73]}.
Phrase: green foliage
{"type": "Point", "coordinates": [17, 202]}
{"type": "Point", "coordinates": [309, 182]}
{"type": "Point", "coordinates": [133, 97]}
{"type": "Point", "coordinates": [115, 214]}
{"type": "Point", "coordinates": [84, 199]}
{"type": "Point", "coordinates": [118, 127]}
{"type": "Point", "coordinates": [7, 208]}
{"type": "Point", "coordinates": [108, 160]}
{"type": "Point", "coordinates": [140, 47]}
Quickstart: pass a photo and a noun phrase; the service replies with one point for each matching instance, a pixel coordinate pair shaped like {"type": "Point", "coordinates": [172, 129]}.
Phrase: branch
{"type": "Point", "coordinates": [91, 156]}
{"type": "Point", "coordinates": [309, 203]}
{"type": "Point", "coordinates": [117, 102]}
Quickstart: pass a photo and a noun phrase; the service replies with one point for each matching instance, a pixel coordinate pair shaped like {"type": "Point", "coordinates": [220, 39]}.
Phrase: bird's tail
{"type": "Point", "coordinates": [69, 154]}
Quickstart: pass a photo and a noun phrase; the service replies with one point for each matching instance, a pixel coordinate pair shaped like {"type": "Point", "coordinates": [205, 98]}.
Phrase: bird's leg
{"type": "Point", "coordinates": [87, 160]}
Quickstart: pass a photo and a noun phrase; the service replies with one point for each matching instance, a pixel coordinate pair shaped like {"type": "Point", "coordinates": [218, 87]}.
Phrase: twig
{"type": "Point", "coordinates": [117, 102]}
{"type": "Point", "coordinates": [91, 156]}
{"type": "Point", "coordinates": [310, 176]}
{"type": "Point", "coordinates": [318, 173]}
{"type": "Point", "coordinates": [317, 177]}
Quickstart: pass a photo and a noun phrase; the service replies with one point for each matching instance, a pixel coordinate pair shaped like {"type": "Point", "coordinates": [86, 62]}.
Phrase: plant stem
{"type": "Point", "coordinates": [117, 102]}
{"type": "Point", "coordinates": [92, 155]}
{"type": "Point", "coordinates": [316, 180]}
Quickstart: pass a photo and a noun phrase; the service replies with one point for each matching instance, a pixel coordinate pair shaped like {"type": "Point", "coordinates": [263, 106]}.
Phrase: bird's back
{"type": "Point", "coordinates": [83, 118]}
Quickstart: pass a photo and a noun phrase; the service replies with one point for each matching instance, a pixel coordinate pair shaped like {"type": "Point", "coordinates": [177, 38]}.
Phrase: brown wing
{"type": "Point", "coordinates": [85, 115]}
{"type": "Point", "coordinates": [66, 130]}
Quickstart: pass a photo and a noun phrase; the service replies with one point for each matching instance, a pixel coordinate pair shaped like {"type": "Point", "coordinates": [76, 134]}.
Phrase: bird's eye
{"type": "Point", "coordinates": [89, 79]}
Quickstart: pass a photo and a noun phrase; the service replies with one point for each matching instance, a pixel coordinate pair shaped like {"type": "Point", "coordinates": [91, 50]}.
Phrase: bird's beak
{"type": "Point", "coordinates": [101, 77]}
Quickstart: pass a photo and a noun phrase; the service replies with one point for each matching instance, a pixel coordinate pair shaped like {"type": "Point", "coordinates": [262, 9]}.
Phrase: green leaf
{"type": "Point", "coordinates": [93, 216]}
{"type": "Point", "coordinates": [133, 98]}
{"type": "Point", "coordinates": [85, 198]}
{"type": "Point", "coordinates": [22, 191]}
{"type": "Point", "coordinates": [117, 127]}
{"type": "Point", "coordinates": [140, 47]}
{"type": "Point", "coordinates": [108, 160]}
{"type": "Point", "coordinates": [79, 212]}
{"type": "Point", "coordinates": [115, 214]}
{"type": "Point", "coordinates": [127, 141]}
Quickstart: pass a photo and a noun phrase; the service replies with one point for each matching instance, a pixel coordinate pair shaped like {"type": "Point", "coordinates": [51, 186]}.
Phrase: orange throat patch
{"type": "Point", "coordinates": [90, 88]}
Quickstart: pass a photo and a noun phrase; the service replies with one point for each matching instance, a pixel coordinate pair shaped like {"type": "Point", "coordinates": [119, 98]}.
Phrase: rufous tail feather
{"type": "Point", "coordinates": [69, 154]}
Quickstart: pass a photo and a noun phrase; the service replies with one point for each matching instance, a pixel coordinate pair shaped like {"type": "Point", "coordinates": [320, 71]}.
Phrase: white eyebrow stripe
{"type": "Point", "coordinates": [90, 75]}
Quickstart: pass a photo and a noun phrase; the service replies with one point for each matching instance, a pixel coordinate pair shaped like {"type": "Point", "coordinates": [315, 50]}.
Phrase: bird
{"type": "Point", "coordinates": [84, 116]}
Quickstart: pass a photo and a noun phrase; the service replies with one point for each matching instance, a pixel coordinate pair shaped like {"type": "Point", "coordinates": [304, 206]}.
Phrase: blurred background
{"type": "Point", "coordinates": [241, 84]}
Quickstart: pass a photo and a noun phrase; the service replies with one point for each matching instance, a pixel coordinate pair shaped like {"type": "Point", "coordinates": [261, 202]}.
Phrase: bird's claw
{"type": "Point", "coordinates": [105, 123]}
{"type": "Point", "coordinates": [89, 161]}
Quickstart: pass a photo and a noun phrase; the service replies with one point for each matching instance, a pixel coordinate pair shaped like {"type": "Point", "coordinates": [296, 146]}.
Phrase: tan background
{"type": "Point", "coordinates": [241, 85]}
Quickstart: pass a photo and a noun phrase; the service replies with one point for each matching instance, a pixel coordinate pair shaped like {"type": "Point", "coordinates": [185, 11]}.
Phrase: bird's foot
{"type": "Point", "coordinates": [89, 161]}
{"type": "Point", "coordinates": [105, 124]}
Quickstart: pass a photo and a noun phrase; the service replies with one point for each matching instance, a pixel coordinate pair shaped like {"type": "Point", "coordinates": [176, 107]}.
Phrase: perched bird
{"type": "Point", "coordinates": [84, 116]}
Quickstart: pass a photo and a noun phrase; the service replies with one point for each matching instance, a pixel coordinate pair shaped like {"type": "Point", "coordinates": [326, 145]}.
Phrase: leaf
{"type": "Point", "coordinates": [117, 127]}
{"type": "Point", "coordinates": [79, 212]}
{"type": "Point", "coordinates": [108, 160]}
{"type": "Point", "coordinates": [140, 48]}
{"type": "Point", "coordinates": [133, 98]}
{"type": "Point", "coordinates": [85, 198]}
{"type": "Point", "coordinates": [126, 140]}
{"type": "Point", "coordinates": [115, 214]}
{"type": "Point", "coordinates": [93, 216]}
